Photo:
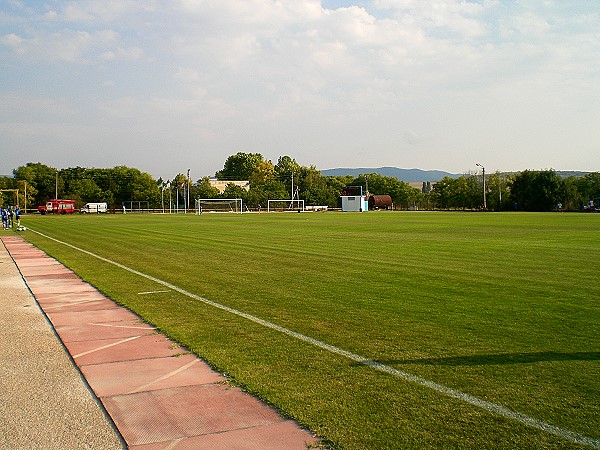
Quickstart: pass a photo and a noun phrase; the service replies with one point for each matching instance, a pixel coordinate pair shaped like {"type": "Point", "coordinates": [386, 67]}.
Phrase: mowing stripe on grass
{"type": "Point", "coordinates": [453, 393]}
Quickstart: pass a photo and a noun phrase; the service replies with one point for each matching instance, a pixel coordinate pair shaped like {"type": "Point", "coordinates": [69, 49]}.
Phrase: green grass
{"type": "Point", "coordinates": [500, 306]}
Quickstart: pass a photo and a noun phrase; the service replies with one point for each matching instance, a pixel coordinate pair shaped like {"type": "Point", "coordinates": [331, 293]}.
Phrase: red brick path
{"type": "Point", "coordinates": [158, 395]}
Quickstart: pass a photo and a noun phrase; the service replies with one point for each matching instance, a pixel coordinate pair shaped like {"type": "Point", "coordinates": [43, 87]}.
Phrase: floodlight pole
{"type": "Point", "coordinates": [188, 189]}
{"type": "Point", "coordinates": [170, 198]}
{"type": "Point", "coordinates": [484, 199]}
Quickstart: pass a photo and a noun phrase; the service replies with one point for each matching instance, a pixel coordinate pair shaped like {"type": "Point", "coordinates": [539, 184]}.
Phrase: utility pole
{"type": "Point", "coordinates": [484, 199]}
{"type": "Point", "coordinates": [188, 189]}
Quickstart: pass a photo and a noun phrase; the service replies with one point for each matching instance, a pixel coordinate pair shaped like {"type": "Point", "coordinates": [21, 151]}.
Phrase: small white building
{"type": "Point", "coordinates": [354, 203]}
{"type": "Point", "coordinates": [353, 199]}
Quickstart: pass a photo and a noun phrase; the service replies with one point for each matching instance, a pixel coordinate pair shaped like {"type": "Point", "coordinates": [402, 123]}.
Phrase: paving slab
{"type": "Point", "coordinates": [112, 314]}
{"type": "Point", "coordinates": [283, 435]}
{"type": "Point", "coordinates": [132, 347]}
{"type": "Point", "coordinates": [78, 304]}
{"type": "Point", "coordinates": [91, 331]}
{"type": "Point", "coordinates": [186, 411]}
{"type": "Point", "coordinates": [157, 394]}
{"type": "Point", "coordinates": [44, 402]}
{"type": "Point", "coordinates": [50, 298]}
{"type": "Point", "coordinates": [129, 377]}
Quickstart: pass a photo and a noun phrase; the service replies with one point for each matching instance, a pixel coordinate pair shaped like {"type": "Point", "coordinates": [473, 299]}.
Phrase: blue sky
{"type": "Point", "coordinates": [171, 85]}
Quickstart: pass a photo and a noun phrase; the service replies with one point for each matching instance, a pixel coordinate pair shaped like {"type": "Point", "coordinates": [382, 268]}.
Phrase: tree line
{"type": "Point", "coordinates": [526, 191]}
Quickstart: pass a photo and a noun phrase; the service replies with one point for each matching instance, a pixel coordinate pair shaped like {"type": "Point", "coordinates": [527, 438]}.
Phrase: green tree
{"type": "Point", "coordinates": [441, 193]}
{"type": "Point", "coordinates": [498, 198]}
{"type": "Point", "coordinates": [537, 190]}
{"type": "Point", "coordinates": [588, 188]}
{"type": "Point", "coordinates": [41, 181]}
{"type": "Point", "coordinates": [286, 167]}
{"type": "Point", "coordinates": [402, 193]}
{"type": "Point", "coordinates": [234, 191]}
{"type": "Point", "coordinates": [271, 190]}
{"type": "Point", "coordinates": [203, 189]}
{"type": "Point", "coordinates": [263, 173]}
{"type": "Point", "coordinates": [314, 189]}
{"type": "Point", "coordinates": [7, 198]}
{"type": "Point", "coordinates": [465, 192]}
{"type": "Point", "coordinates": [240, 166]}
{"type": "Point", "coordinates": [86, 190]}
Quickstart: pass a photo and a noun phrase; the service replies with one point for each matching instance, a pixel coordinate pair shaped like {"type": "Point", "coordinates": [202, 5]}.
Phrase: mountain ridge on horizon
{"type": "Point", "coordinates": [418, 175]}
{"type": "Point", "coordinates": [406, 175]}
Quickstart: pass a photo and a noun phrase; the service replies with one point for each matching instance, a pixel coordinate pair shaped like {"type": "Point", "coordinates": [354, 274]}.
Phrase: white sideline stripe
{"type": "Point", "coordinates": [467, 398]}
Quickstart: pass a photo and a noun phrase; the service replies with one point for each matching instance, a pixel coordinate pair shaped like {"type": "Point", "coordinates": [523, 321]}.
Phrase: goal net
{"type": "Point", "coordinates": [230, 205]}
{"type": "Point", "coordinates": [136, 206]}
{"type": "Point", "coordinates": [285, 205]}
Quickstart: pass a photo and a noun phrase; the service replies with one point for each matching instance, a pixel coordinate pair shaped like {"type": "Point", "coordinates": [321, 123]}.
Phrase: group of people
{"type": "Point", "coordinates": [10, 216]}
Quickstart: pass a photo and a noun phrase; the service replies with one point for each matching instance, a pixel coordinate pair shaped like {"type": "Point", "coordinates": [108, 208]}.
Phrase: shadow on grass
{"type": "Point", "coordinates": [505, 358]}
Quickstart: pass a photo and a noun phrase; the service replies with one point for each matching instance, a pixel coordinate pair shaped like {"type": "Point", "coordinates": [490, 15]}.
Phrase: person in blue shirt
{"type": "Point", "coordinates": [18, 216]}
{"type": "Point", "coordinates": [4, 218]}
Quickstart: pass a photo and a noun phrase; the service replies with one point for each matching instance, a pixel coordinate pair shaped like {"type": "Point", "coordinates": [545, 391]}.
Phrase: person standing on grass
{"type": "Point", "coordinates": [18, 216]}
{"type": "Point", "coordinates": [4, 214]}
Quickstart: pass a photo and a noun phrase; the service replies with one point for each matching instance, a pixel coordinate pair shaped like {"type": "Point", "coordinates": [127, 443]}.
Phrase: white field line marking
{"type": "Point", "coordinates": [164, 377]}
{"type": "Point", "coordinates": [150, 292]}
{"type": "Point", "coordinates": [467, 398]}
{"type": "Point", "coordinates": [62, 305]}
{"type": "Point", "coordinates": [130, 327]}
{"type": "Point", "coordinates": [106, 346]}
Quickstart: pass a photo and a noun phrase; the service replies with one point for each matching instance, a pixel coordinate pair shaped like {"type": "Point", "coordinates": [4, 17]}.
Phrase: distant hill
{"type": "Point", "coordinates": [571, 173]}
{"type": "Point", "coordinates": [406, 175]}
{"type": "Point", "coordinates": [418, 175]}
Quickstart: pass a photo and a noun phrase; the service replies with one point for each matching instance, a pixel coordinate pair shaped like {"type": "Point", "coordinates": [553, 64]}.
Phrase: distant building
{"type": "Point", "coordinates": [424, 186]}
{"type": "Point", "coordinates": [222, 184]}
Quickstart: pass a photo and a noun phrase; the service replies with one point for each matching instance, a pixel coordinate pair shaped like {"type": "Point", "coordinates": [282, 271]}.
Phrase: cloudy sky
{"type": "Point", "coordinates": [171, 85]}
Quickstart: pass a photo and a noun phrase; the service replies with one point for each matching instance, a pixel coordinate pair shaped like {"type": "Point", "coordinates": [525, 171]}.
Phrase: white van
{"type": "Point", "coordinates": [94, 208]}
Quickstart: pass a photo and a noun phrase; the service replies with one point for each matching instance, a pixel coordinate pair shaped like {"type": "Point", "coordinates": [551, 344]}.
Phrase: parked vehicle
{"type": "Point", "coordinates": [95, 208]}
{"type": "Point", "coordinates": [57, 207]}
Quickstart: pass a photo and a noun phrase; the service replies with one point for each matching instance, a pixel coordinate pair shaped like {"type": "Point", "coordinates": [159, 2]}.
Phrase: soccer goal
{"type": "Point", "coordinates": [136, 206]}
{"type": "Point", "coordinates": [285, 205]}
{"type": "Point", "coordinates": [230, 205]}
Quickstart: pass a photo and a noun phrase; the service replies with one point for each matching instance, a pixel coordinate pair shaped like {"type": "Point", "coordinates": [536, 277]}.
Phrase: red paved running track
{"type": "Point", "coordinates": [158, 395]}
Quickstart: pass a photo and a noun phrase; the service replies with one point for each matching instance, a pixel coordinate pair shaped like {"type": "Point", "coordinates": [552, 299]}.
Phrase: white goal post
{"type": "Point", "coordinates": [230, 205]}
{"type": "Point", "coordinates": [285, 205]}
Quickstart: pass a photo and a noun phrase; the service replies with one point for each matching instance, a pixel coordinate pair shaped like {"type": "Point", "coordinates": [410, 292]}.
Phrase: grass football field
{"type": "Point", "coordinates": [471, 330]}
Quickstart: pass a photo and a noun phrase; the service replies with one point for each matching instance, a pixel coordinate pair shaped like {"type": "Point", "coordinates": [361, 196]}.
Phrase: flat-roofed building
{"type": "Point", "coordinates": [222, 184]}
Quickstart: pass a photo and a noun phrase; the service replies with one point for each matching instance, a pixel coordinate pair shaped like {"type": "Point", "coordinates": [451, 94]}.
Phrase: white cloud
{"type": "Point", "coordinates": [400, 79]}
{"type": "Point", "coordinates": [64, 45]}
{"type": "Point", "coordinates": [88, 11]}
{"type": "Point", "coordinates": [460, 17]}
